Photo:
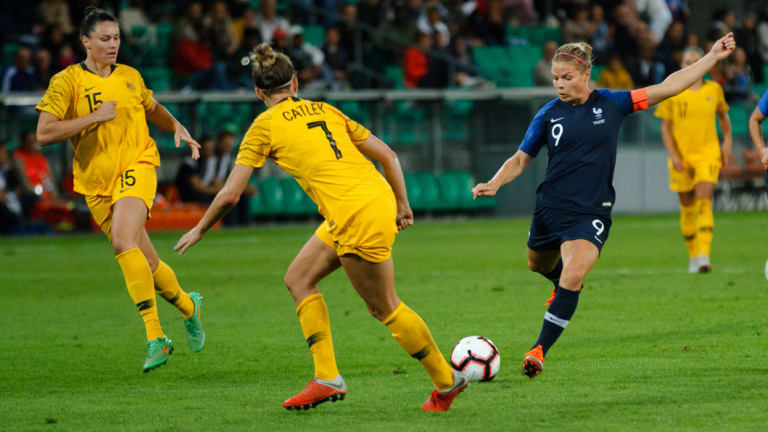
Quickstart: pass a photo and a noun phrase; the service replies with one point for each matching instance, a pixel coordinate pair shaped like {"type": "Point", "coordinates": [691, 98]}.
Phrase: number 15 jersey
{"type": "Point", "coordinates": [103, 150]}
{"type": "Point", "coordinates": [316, 144]}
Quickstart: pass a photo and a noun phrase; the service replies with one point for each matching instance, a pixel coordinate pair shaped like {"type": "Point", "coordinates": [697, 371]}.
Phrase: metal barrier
{"type": "Point", "coordinates": [432, 130]}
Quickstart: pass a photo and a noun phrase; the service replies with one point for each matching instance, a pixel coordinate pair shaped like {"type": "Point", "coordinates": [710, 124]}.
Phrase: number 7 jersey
{"type": "Point", "coordinates": [316, 144]}
{"type": "Point", "coordinates": [103, 150]}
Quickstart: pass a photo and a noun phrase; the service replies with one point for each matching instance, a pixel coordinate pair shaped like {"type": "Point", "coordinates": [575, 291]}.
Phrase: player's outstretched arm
{"type": "Point", "coordinates": [227, 198]}
{"type": "Point", "coordinates": [160, 116]}
{"type": "Point", "coordinates": [511, 169]}
{"type": "Point", "coordinates": [756, 133]}
{"type": "Point", "coordinates": [686, 77]}
{"type": "Point", "coordinates": [379, 151]}
{"type": "Point", "coordinates": [51, 130]}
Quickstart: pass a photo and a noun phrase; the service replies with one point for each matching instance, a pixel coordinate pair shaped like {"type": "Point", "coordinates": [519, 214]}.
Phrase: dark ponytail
{"type": "Point", "coordinates": [93, 16]}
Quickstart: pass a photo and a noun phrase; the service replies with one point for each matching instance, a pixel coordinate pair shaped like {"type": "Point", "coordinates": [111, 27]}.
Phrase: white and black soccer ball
{"type": "Point", "coordinates": [477, 357]}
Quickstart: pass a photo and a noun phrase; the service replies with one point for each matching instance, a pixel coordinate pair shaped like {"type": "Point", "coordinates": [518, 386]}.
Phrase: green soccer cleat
{"type": "Point", "coordinates": [195, 331]}
{"type": "Point", "coordinates": [158, 351]}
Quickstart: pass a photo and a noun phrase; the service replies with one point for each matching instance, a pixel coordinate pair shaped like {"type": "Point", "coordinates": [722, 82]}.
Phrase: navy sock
{"type": "Point", "coordinates": [557, 317]}
{"type": "Point", "coordinates": [554, 275]}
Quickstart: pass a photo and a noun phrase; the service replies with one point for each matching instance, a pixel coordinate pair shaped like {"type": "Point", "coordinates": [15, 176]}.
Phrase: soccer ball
{"type": "Point", "coordinates": [477, 357]}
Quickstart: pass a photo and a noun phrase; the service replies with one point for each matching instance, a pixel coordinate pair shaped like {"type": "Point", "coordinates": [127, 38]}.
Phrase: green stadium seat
{"type": "Point", "coordinates": [157, 78]}
{"type": "Point", "coordinates": [272, 196]}
{"type": "Point", "coordinates": [413, 189]}
{"type": "Point", "coordinates": [314, 35]}
{"type": "Point", "coordinates": [294, 197]}
{"type": "Point", "coordinates": [450, 194]}
{"type": "Point", "coordinates": [396, 75]}
{"type": "Point", "coordinates": [430, 191]}
{"type": "Point", "coordinates": [9, 50]}
{"type": "Point", "coordinates": [739, 120]}
{"type": "Point", "coordinates": [256, 203]}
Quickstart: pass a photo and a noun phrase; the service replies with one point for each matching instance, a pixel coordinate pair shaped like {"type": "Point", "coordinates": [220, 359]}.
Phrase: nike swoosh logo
{"type": "Point", "coordinates": [557, 119]}
{"type": "Point", "coordinates": [90, 88]}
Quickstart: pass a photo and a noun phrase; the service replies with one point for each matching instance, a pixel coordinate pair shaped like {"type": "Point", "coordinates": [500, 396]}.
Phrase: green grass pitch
{"type": "Point", "coordinates": [650, 347]}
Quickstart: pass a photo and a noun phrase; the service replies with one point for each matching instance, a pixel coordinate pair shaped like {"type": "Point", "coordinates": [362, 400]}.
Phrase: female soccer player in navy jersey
{"type": "Point", "coordinates": [573, 206]}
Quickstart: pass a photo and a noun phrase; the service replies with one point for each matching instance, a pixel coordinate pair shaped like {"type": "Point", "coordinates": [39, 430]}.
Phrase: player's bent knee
{"type": "Point", "coordinates": [537, 267]}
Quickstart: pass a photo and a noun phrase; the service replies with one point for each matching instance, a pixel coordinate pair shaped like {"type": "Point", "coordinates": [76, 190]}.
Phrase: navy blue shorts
{"type": "Point", "coordinates": [551, 227]}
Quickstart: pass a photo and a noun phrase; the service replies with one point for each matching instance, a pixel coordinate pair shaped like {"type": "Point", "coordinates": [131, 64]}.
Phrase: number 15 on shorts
{"type": "Point", "coordinates": [127, 180]}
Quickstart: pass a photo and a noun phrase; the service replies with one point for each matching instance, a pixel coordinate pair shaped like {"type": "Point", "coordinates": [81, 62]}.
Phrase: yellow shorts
{"type": "Point", "coordinates": [685, 180]}
{"type": "Point", "coordinates": [369, 233]}
{"type": "Point", "coordinates": [139, 181]}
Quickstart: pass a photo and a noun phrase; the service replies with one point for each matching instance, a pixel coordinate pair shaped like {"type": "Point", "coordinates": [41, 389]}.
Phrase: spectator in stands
{"type": "Point", "coordinates": [401, 27]}
{"type": "Point", "coordinates": [134, 17]}
{"type": "Point", "coordinates": [307, 58]}
{"type": "Point", "coordinates": [659, 17]}
{"type": "Point", "coordinates": [670, 49]}
{"type": "Point", "coordinates": [643, 67]}
{"type": "Point", "coordinates": [238, 69]}
{"type": "Point", "coordinates": [33, 169]}
{"type": "Point", "coordinates": [615, 76]}
{"type": "Point", "coordinates": [739, 77]}
{"type": "Point", "coordinates": [438, 68]}
{"type": "Point", "coordinates": [371, 12]}
{"type": "Point", "coordinates": [196, 180]}
{"type": "Point", "coordinates": [220, 35]}
{"type": "Point", "coordinates": [241, 213]}
{"type": "Point", "coordinates": [465, 71]}
{"type": "Point", "coordinates": [680, 10]}
{"type": "Point", "coordinates": [66, 57]}
{"type": "Point", "coordinates": [723, 22]}
{"type": "Point", "coordinates": [56, 13]}
{"type": "Point", "coordinates": [489, 24]}
{"type": "Point", "coordinates": [267, 20]}
{"type": "Point", "coordinates": [192, 56]}
{"type": "Point", "coordinates": [280, 40]}
{"type": "Point", "coordinates": [246, 21]}
{"type": "Point", "coordinates": [53, 40]}
{"type": "Point", "coordinates": [20, 76]}
{"type": "Point", "coordinates": [336, 59]}
{"type": "Point", "coordinates": [762, 34]}
{"type": "Point", "coordinates": [416, 61]}
{"type": "Point", "coordinates": [602, 34]}
{"type": "Point", "coordinates": [348, 28]}
{"type": "Point", "coordinates": [43, 68]}
{"type": "Point", "coordinates": [578, 27]}
{"type": "Point", "coordinates": [542, 72]}
{"type": "Point", "coordinates": [748, 38]}
{"type": "Point", "coordinates": [431, 22]}
{"type": "Point", "coordinates": [11, 213]}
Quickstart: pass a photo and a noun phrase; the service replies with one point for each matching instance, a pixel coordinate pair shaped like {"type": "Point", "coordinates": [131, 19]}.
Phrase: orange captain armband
{"type": "Point", "coordinates": [639, 99]}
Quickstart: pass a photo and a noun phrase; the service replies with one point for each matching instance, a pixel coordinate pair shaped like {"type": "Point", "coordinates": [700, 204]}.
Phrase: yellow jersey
{"type": "Point", "coordinates": [103, 150]}
{"type": "Point", "coordinates": [692, 114]}
{"type": "Point", "coordinates": [316, 144]}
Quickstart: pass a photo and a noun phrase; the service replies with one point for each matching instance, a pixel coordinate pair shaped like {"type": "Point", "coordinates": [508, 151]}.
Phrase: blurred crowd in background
{"type": "Point", "coordinates": [340, 44]}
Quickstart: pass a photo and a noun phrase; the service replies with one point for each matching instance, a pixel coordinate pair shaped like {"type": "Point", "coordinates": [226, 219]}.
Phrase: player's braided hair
{"type": "Point", "coordinates": [272, 71]}
{"type": "Point", "coordinates": [93, 16]}
{"type": "Point", "coordinates": [578, 53]}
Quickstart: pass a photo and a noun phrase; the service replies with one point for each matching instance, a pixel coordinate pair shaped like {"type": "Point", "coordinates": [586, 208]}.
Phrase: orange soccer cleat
{"type": "Point", "coordinates": [317, 392]}
{"type": "Point", "coordinates": [441, 401]}
{"type": "Point", "coordinates": [549, 301]}
{"type": "Point", "coordinates": [533, 362]}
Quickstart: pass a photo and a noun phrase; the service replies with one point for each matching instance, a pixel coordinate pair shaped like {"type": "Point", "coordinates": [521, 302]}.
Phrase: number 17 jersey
{"type": "Point", "coordinates": [316, 144]}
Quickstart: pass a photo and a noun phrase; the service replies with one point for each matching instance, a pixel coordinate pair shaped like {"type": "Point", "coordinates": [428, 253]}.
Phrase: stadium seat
{"type": "Point", "coordinates": [272, 196]}
{"type": "Point", "coordinates": [739, 120]}
{"type": "Point", "coordinates": [9, 50]}
{"type": "Point", "coordinates": [450, 195]}
{"type": "Point", "coordinates": [413, 188]}
{"type": "Point", "coordinates": [314, 35]}
{"type": "Point", "coordinates": [256, 203]}
{"type": "Point", "coordinates": [430, 192]}
{"type": "Point", "coordinates": [157, 78]}
{"type": "Point", "coordinates": [396, 75]}
{"type": "Point", "coordinates": [295, 203]}
{"type": "Point", "coordinates": [534, 35]}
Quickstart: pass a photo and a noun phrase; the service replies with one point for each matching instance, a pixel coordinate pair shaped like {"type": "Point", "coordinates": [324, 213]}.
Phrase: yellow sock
{"type": "Point", "coordinates": [688, 227]}
{"type": "Point", "coordinates": [705, 224]}
{"type": "Point", "coordinates": [316, 326]}
{"type": "Point", "coordinates": [410, 331]}
{"type": "Point", "coordinates": [138, 280]}
{"type": "Point", "coordinates": [168, 288]}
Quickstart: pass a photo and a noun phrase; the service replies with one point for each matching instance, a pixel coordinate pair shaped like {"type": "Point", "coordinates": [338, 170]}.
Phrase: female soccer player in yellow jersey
{"type": "Point", "coordinates": [102, 108]}
{"type": "Point", "coordinates": [325, 152]}
{"type": "Point", "coordinates": [690, 137]}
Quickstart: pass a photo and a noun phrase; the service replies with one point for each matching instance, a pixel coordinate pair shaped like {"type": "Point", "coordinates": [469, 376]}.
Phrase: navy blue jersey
{"type": "Point", "coordinates": [582, 143]}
